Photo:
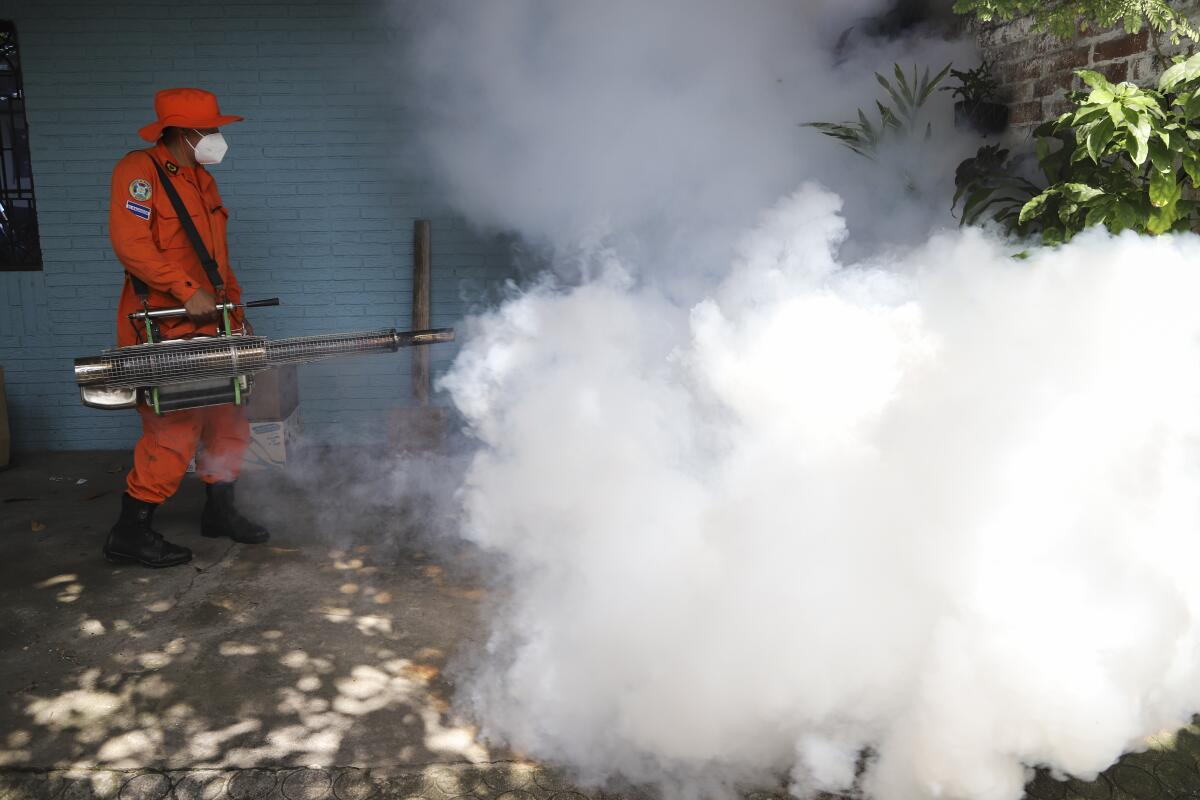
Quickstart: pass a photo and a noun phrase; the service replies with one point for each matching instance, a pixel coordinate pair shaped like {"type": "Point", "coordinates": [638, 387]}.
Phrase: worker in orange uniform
{"type": "Point", "coordinates": [168, 265]}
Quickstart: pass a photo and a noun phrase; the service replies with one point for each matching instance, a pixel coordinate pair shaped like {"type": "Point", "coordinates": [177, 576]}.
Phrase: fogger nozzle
{"type": "Point", "coordinates": [184, 360]}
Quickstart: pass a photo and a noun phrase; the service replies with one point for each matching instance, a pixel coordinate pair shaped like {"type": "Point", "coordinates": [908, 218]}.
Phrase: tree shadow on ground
{"type": "Point", "coordinates": [306, 651]}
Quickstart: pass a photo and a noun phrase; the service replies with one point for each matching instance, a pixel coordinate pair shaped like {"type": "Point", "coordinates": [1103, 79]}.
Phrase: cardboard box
{"type": "Point", "coordinates": [5, 432]}
{"type": "Point", "coordinates": [274, 416]}
{"type": "Point", "coordinates": [275, 396]}
{"type": "Point", "coordinates": [272, 442]}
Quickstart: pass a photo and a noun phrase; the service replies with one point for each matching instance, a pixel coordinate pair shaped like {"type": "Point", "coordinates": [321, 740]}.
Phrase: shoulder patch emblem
{"type": "Point", "coordinates": [137, 209]}
{"type": "Point", "coordinates": [140, 189]}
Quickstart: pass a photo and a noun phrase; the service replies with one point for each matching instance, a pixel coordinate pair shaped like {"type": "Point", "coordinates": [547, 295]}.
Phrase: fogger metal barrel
{"type": "Point", "coordinates": [111, 379]}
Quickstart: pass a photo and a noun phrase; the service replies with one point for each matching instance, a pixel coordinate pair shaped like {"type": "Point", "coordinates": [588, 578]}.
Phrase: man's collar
{"type": "Point", "coordinates": [163, 154]}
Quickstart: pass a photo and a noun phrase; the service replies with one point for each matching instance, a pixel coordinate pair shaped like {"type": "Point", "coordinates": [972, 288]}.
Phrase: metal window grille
{"type": "Point", "coordinates": [20, 248]}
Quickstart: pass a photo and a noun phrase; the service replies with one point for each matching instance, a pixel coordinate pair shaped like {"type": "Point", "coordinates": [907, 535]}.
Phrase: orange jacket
{"type": "Point", "coordinates": [151, 243]}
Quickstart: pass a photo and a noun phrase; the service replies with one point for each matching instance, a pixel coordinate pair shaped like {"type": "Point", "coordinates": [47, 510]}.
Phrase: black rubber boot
{"type": "Point", "coordinates": [132, 540]}
{"type": "Point", "coordinates": [221, 517]}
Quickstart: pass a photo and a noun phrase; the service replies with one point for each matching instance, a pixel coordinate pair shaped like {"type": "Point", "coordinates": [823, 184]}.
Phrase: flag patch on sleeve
{"type": "Point", "coordinates": [138, 210]}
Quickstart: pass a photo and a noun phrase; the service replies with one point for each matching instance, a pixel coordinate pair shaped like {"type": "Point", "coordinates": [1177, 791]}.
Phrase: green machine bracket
{"type": "Point", "coordinates": [150, 340]}
{"type": "Point", "coordinates": [237, 382]}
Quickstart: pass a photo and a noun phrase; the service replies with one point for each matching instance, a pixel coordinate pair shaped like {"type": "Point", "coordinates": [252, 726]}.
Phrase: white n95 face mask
{"type": "Point", "coordinates": [210, 149]}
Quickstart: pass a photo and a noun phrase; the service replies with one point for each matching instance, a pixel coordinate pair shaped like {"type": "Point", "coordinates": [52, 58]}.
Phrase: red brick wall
{"type": "Point", "coordinates": [1036, 70]}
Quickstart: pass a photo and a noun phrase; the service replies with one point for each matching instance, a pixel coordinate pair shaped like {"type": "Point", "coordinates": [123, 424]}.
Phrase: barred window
{"type": "Point", "coordinates": [20, 248]}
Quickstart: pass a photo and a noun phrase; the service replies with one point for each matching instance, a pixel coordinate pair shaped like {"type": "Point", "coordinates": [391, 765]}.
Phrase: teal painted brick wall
{"type": "Point", "coordinates": [322, 203]}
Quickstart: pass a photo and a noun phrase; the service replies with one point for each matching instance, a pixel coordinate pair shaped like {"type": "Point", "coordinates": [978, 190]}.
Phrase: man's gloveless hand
{"type": "Point", "coordinates": [201, 307]}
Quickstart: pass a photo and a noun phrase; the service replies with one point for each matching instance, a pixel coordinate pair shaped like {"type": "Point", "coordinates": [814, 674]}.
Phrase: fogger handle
{"type": "Point", "coordinates": [180, 311]}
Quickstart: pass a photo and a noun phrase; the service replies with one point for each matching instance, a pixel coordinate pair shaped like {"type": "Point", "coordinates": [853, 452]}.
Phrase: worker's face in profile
{"type": "Point", "coordinates": [207, 144]}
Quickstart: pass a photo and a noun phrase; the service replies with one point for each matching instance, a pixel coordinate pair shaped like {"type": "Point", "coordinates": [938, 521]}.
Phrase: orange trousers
{"type": "Point", "coordinates": [168, 442]}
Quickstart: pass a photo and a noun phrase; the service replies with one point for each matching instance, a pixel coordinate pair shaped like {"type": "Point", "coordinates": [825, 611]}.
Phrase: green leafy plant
{"type": "Point", "coordinates": [974, 85]}
{"type": "Point", "coordinates": [988, 188]}
{"type": "Point", "coordinates": [1067, 18]}
{"type": "Point", "coordinates": [1121, 159]}
{"type": "Point", "coordinates": [897, 120]}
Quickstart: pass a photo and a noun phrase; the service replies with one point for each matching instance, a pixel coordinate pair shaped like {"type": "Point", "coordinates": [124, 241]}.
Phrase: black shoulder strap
{"type": "Point", "coordinates": [189, 227]}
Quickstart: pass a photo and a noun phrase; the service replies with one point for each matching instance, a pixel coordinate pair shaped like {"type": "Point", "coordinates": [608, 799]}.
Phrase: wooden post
{"type": "Point", "coordinates": [422, 269]}
{"type": "Point", "coordinates": [420, 428]}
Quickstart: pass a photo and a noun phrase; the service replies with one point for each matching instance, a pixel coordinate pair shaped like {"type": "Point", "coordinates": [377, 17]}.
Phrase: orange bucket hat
{"type": "Point", "coordinates": [185, 108]}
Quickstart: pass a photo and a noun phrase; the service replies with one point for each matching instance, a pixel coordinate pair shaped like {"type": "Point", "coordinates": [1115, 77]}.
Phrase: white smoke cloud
{"type": "Point", "coordinates": [664, 127]}
{"type": "Point", "coordinates": [945, 511]}
{"type": "Point", "coordinates": [771, 501]}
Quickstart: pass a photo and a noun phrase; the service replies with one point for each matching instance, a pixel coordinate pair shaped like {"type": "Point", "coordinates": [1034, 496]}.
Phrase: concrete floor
{"type": "Point", "coordinates": [305, 652]}
{"type": "Point", "coordinates": [312, 667]}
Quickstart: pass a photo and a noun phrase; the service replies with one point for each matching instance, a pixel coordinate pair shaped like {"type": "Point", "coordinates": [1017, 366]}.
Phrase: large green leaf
{"type": "Point", "coordinates": [1098, 214]}
{"type": "Point", "coordinates": [1164, 189]}
{"type": "Point", "coordinates": [1191, 69]}
{"type": "Point", "coordinates": [1036, 207]}
{"type": "Point", "coordinates": [1161, 156]}
{"type": "Point", "coordinates": [1182, 72]}
{"type": "Point", "coordinates": [1137, 144]}
{"type": "Point", "coordinates": [1081, 192]}
{"type": "Point", "coordinates": [1142, 124]}
{"type": "Point", "coordinates": [1171, 78]}
{"type": "Point", "coordinates": [1191, 109]}
{"type": "Point", "coordinates": [1099, 137]}
{"type": "Point", "coordinates": [1150, 102]}
{"type": "Point", "coordinates": [1191, 166]}
{"type": "Point", "coordinates": [1094, 79]}
{"type": "Point", "coordinates": [1162, 220]}
{"type": "Point", "coordinates": [1126, 215]}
